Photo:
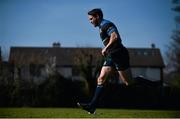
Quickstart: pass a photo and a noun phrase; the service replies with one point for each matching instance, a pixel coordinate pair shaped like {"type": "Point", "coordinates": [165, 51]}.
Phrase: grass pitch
{"type": "Point", "coordinates": [78, 113]}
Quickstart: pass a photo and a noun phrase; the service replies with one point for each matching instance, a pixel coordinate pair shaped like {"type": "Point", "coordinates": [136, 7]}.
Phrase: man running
{"type": "Point", "coordinates": [115, 54]}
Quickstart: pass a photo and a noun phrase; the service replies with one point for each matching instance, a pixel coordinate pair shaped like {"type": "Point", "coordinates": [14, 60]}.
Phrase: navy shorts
{"type": "Point", "coordinates": [118, 59]}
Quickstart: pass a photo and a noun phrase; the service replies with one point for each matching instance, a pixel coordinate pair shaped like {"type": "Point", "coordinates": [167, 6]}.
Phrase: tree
{"type": "Point", "coordinates": [88, 70]}
{"type": "Point", "coordinates": [173, 53]}
{"type": "Point", "coordinates": [175, 44]}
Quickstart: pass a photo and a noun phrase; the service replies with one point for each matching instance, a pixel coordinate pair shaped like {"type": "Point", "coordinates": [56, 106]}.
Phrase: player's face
{"type": "Point", "coordinates": [93, 20]}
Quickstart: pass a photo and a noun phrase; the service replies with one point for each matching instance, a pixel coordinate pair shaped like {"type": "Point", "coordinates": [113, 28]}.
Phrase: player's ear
{"type": "Point", "coordinates": [97, 16]}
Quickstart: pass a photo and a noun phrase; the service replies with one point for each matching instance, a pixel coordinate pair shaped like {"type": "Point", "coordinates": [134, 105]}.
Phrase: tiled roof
{"type": "Point", "coordinates": [148, 57]}
{"type": "Point", "coordinates": [42, 55]}
{"type": "Point", "coordinates": [66, 56]}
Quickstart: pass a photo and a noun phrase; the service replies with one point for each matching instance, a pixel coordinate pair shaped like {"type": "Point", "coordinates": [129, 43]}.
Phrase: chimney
{"type": "Point", "coordinates": [56, 45]}
{"type": "Point", "coordinates": [153, 45]}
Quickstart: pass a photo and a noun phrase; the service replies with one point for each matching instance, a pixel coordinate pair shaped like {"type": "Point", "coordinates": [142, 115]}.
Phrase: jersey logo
{"type": "Point", "coordinates": [100, 30]}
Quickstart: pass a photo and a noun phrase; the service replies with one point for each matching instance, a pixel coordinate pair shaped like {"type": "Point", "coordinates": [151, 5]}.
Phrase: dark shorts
{"type": "Point", "coordinates": [118, 59]}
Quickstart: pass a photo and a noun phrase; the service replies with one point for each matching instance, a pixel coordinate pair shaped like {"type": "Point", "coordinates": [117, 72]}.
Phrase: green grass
{"type": "Point", "coordinates": [78, 113]}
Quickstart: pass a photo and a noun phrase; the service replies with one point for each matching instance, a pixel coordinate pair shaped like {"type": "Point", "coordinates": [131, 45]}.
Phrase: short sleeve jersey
{"type": "Point", "coordinates": [106, 28]}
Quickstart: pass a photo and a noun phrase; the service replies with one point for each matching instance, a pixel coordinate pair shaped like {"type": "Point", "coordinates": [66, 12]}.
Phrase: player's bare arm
{"type": "Point", "coordinates": [113, 38]}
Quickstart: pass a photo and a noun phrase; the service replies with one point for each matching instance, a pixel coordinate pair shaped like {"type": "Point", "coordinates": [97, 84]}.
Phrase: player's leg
{"type": "Point", "coordinates": [104, 74]}
{"type": "Point", "coordinates": [91, 107]}
{"type": "Point", "coordinates": [120, 59]}
{"type": "Point", "coordinates": [125, 76]}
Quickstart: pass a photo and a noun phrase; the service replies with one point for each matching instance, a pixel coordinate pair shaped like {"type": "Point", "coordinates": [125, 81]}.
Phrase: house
{"type": "Point", "coordinates": [6, 70]}
{"type": "Point", "coordinates": [43, 60]}
{"type": "Point", "coordinates": [146, 62]}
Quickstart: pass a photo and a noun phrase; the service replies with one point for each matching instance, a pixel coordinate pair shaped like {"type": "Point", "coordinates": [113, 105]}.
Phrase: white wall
{"type": "Point", "coordinates": [65, 71]}
{"type": "Point", "coordinates": [153, 74]}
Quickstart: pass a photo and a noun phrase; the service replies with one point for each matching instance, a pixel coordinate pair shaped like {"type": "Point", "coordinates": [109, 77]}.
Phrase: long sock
{"type": "Point", "coordinates": [96, 96]}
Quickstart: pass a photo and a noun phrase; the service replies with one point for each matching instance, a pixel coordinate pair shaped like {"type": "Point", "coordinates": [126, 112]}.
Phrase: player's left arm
{"type": "Point", "coordinates": [113, 38]}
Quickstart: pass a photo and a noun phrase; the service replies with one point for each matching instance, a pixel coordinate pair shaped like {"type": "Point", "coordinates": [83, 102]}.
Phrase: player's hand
{"type": "Point", "coordinates": [104, 51]}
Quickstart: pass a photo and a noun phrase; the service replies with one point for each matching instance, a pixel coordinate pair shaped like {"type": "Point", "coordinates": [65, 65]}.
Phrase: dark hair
{"type": "Point", "coordinates": [95, 12]}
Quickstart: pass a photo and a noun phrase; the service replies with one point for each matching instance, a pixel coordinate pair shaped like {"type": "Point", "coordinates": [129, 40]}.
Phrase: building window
{"type": "Point", "coordinates": [142, 53]}
{"type": "Point", "coordinates": [145, 53]}
{"type": "Point", "coordinates": [35, 70]}
{"type": "Point", "coordinates": [75, 71]}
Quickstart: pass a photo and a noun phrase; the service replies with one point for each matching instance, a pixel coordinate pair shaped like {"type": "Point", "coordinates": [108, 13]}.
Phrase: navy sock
{"type": "Point", "coordinates": [96, 96]}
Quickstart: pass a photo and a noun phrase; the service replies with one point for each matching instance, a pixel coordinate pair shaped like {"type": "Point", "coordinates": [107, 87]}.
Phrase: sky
{"type": "Point", "coordinates": [39, 23]}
